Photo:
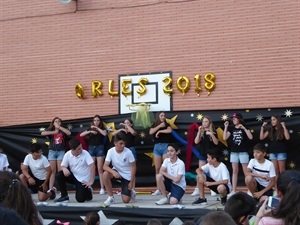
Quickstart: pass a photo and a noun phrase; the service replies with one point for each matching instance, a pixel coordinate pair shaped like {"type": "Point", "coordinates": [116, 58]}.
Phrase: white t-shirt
{"type": "Point", "coordinates": [38, 166]}
{"type": "Point", "coordinates": [78, 165]}
{"type": "Point", "coordinates": [175, 169]}
{"type": "Point", "coordinates": [121, 162]}
{"type": "Point", "coordinates": [3, 161]}
{"type": "Point", "coordinates": [266, 169]}
{"type": "Point", "coordinates": [217, 173]}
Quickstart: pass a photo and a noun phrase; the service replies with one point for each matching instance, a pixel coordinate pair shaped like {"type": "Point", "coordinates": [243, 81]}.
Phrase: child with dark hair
{"type": "Point", "coordinates": [287, 213]}
{"type": "Point", "coordinates": [239, 206]}
{"type": "Point", "coordinates": [92, 218]}
{"type": "Point", "coordinates": [238, 135]}
{"type": "Point", "coordinates": [77, 168]}
{"type": "Point", "coordinates": [36, 172]}
{"type": "Point", "coordinates": [124, 169]}
{"type": "Point", "coordinates": [95, 135]}
{"type": "Point", "coordinates": [57, 135]}
{"type": "Point", "coordinates": [14, 195]}
{"type": "Point", "coordinates": [260, 174]}
{"type": "Point", "coordinates": [216, 218]}
{"type": "Point", "coordinates": [154, 222]}
{"type": "Point", "coordinates": [218, 179]}
{"type": "Point", "coordinates": [171, 177]}
{"type": "Point", "coordinates": [278, 135]}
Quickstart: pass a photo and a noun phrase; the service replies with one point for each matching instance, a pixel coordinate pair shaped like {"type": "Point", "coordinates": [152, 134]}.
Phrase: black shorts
{"type": "Point", "coordinates": [215, 187]}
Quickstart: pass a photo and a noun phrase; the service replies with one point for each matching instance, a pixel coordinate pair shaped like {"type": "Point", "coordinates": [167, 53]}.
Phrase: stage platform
{"type": "Point", "coordinates": [136, 213]}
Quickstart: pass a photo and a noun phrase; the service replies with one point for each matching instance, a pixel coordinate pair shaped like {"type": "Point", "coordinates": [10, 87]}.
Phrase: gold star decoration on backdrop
{"type": "Point", "coordinates": [47, 143]}
{"type": "Point", "coordinates": [224, 117]}
{"type": "Point", "coordinates": [259, 117]}
{"type": "Point", "coordinates": [33, 140]}
{"type": "Point", "coordinates": [110, 127]}
{"type": "Point", "coordinates": [200, 116]}
{"type": "Point", "coordinates": [142, 134]}
{"type": "Point", "coordinates": [220, 136]}
{"type": "Point", "coordinates": [288, 113]}
{"type": "Point", "coordinates": [172, 122]}
{"type": "Point", "coordinates": [151, 155]}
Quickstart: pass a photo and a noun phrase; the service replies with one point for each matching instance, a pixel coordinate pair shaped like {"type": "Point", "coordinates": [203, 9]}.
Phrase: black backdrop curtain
{"type": "Point", "coordinates": [16, 139]}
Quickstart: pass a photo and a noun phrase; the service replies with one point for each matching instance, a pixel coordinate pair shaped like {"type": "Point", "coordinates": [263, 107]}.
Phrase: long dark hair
{"type": "Point", "coordinates": [51, 126]}
{"type": "Point", "coordinates": [157, 119]}
{"type": "Point", "coordinates": [276, 131]}
{"type": "Point", "coordinates": [14, 195]}
{"type": "Point", "coordinates": [101, 124]}
{"type": "Point", "coordinates": [288, 183]}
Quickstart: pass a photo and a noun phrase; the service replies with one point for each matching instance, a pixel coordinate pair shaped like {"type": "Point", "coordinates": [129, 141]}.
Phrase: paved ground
{"type": "Point", "coordinates": [144, 199]}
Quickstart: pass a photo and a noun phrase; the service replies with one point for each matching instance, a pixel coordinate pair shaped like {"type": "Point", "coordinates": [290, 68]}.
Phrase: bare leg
{"type": "Point", "coordinates": [281, 166]}
{"type": "Point", "coordinates": [161, 185]}
{"type": "Point", "coordinates": [100, 161]}
{"type": "Point", "coordinates": [107, 182]}
{"type": "Point", "coordinates": [157, 164]}
{"type": "Point", "coordinates": [250, 183]}
{"type": "Point", "coordinates": [275, 163]}
{"type": "Point", "coordinates": [201, 178]}
{"type": "Point", "coordinates": [53, 165]}
{"type": "Point", "coordinates": [235, 171]}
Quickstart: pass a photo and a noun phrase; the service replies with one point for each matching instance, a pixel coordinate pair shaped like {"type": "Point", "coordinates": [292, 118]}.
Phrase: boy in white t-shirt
{"type": "Point", "coordinates": [77, 168]}
{"type": "Point", "coordinates": [36, 172]}
{"type": "Point", "coordinates": [3, 161]}
{"type": "Point", "coordinates": [123, 169]}
{"type": "Point", "coordinates": [218, 179]}
{"type": "Point", "coordinates": [171, 177]}
{"type": "Point", "coordinates": [260, 174]}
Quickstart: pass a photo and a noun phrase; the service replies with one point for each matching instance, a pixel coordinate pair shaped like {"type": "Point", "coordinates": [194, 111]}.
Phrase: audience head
{"type": "Point", "coordinates": [14, 195]}
{"type": "Point", "coordinates": [239, 206]}
{"type": "Point", "coordinates": [92, 218]}
{"type": "Point", "coordinates": [216, 218]}
{"type": "Point", "coordinates": [154, 222]}
{"type": "Point", "coordinates": [288, 186]}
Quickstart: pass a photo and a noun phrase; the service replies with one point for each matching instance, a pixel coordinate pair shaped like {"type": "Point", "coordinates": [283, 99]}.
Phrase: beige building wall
{"type": "Point", "coordinates": [46, 48]}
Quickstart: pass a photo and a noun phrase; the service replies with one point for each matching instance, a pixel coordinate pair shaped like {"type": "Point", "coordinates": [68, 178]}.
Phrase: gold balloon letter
{"type": "Point", "coordinates": [142, 90]}
{"type": "Point", "coordinates": [110, 89]}
{"type": "Point", "coordinates": [186, 87]}
{"type": "Point", "coordinates": [210, 82]}
{"type": "Point", "coordinates": [167, 88]}
{"type": "Point", "coordinates": [198, 83]}
{"type": "Point", "coordinates": [79, 91]}
{"type": "Point", "coordinates": [96, 88]}
{"type": "Point", "coordinates": [125, 87]}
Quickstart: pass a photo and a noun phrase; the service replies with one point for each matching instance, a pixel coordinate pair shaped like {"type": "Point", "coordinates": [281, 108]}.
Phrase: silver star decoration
{"type": "Point", "coordinates": [42, 129]}
{"type": "Point", "coordinates": [109, 129]}
{"type": "Point", "coordinates": [259, 117]}
{"type": "Point", "coordinates": [224, 117]}
{"type": "Point", "coordinates": [69, 126]}
{"type": "Point", "coordinates": [225, 152]}
{"type": "Point", "coordinates": [288, 113]}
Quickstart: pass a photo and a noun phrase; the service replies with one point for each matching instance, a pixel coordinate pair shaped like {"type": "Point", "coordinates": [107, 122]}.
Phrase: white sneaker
{"type": "Point", "coordinates": [133, 195]}
{"type": "Point", "coordinates": [42, 203]}
{"type": "Point", "coordinates": [162, 201]}
{"type": "Point", "coordinates": [102, 191]}
{"type": "Point", "coordinates": [212, 193]}
{"type": "Point", "coordinates": [157, 192]}
{"type": "Point", "coordinates": [230, 194]}
{"type": "Point", "coordinates": [196, 192]}
{"type": "Point", "coordinates": [109, 200]}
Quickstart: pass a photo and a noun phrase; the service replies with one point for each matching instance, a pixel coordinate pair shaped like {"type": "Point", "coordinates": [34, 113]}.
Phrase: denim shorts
{"type": "Point", "coordinates": [55, 155]}
{"type": "Point", "coordinates": [132, 149]}
{"type": "Point", "coordinates": [202, 157]}
{"type": "Point", "coordinates": [96, 151]}
{"type": "Point", "coordinates": [160, 149]}
{"type": "Point", "coordinates": [278, 156]}
{"type": "Point", "coordinates": [236, 157]}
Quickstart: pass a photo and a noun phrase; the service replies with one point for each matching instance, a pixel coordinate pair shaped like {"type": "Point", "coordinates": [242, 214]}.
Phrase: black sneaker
{"type": "Point", "coordinates": [53, 194]}
{"type": "Point", "coordinates": [201, 201]}
{"type": "Point", "coordinates": [223, 200]}
{"type": "Point", "coordinates": [62, 199]}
